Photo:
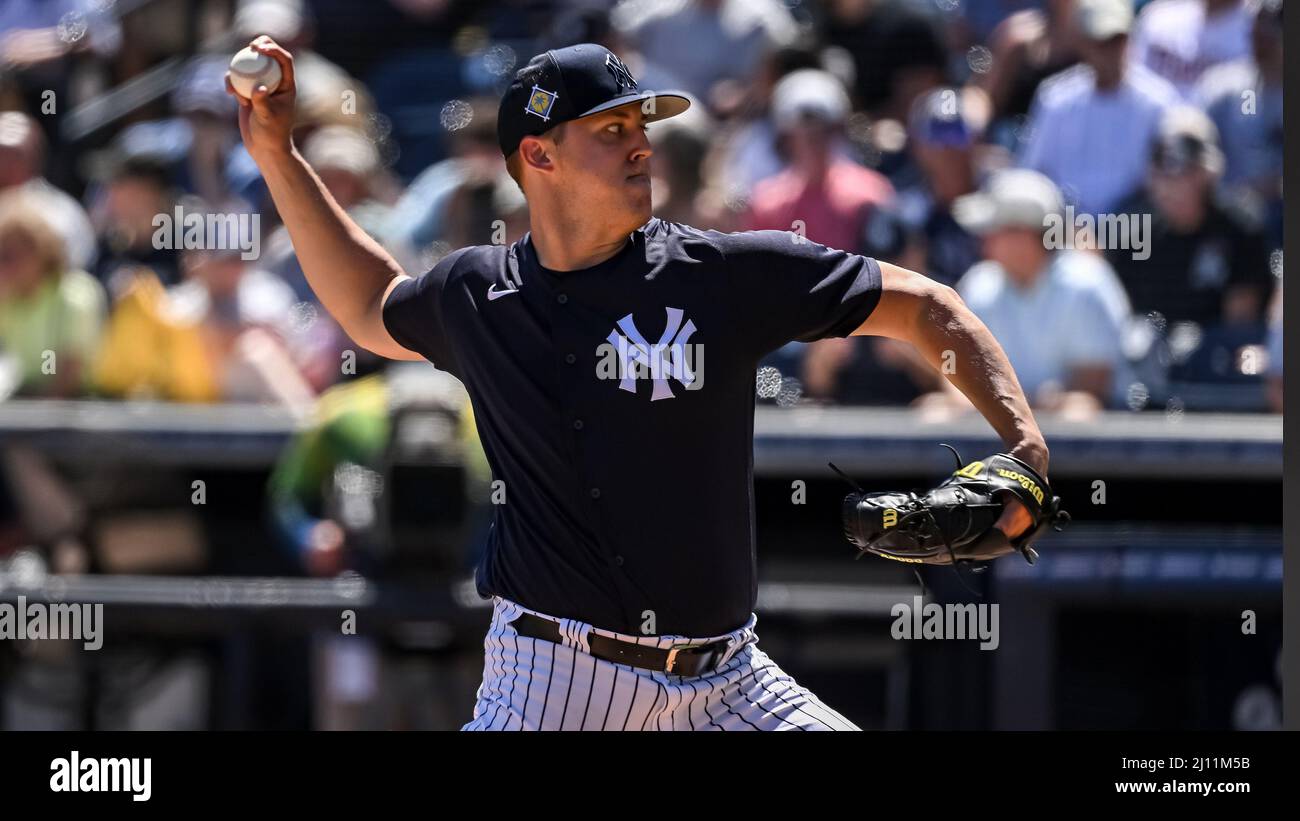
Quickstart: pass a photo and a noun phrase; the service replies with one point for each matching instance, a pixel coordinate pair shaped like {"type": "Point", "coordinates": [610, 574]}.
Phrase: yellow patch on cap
{"type": "Point", "coordinates": [540, 103]}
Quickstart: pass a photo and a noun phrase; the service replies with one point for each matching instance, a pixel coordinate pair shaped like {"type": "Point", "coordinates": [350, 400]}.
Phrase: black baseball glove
{"type": "Point", "coordinates": [954, 521]}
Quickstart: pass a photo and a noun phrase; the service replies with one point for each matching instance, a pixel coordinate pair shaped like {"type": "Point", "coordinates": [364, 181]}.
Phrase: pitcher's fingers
{"type": "Point", "coordinates": [276, 52]}
{"type": "Point", "coordinates": [230, 89]}
{"type": "Point", "coordinates": [262, 101]}
{"type": "Point", "coordinates": [1015, 519]}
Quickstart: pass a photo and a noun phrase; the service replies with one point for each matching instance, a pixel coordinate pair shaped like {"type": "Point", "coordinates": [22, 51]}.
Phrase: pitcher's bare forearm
{"type": "Point", "coordinates": [347, 269]}
{"type": "Point", "coordinates": [350, 272]}
{"type": "Point", "coordinates": [936, 321]}
{"type": "Point", "coordinates": [960, 346]}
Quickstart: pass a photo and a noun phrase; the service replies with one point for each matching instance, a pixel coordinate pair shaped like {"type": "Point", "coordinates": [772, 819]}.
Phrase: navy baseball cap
{"type": "Point", "coordinates": [567, 83]}
{"type": "Point", "coordinates": [944, 118]}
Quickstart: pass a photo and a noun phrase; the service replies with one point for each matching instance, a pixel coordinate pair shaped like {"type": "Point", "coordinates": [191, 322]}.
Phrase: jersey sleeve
{"type": "Point", "coordinates": [413, 314]}
{"type": "Point", "coordinates": [788, 288]}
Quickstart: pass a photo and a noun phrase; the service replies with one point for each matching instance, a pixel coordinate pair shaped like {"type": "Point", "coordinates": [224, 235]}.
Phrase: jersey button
{"type": "Point", "coordinates": [570, 358]}
{"type": "Point", "coordinates": [577, 424]}
{"type": "Point", "coordinates": [618, 560]}
{"type": "Point", "coordinates": [562, 298]}
{"type": "Point", "coordinates": [595, 493]}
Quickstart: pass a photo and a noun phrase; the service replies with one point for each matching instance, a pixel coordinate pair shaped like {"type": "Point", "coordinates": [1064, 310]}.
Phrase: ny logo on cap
{"type": "Point", "coordinates": [540, 103]}
{"type": "Point", "coordinates": [622, 76]}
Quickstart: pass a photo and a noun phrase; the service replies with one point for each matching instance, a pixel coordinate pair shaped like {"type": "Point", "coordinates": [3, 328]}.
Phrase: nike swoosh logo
{"type": "Point", "coordinates": [495, 294]}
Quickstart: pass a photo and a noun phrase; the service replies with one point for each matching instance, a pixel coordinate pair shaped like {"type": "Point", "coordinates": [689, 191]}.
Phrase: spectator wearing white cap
{"type": "Point", "coordinates": [51, 314]}
{"type": "Point", "coordinates": [747, 151]}
{"type": "Point", "coordinates": [1091, 126]}
{"type": "Point", "coordinates": [1180, 39]}
{"type": "Point", "coordinates": [22, 155]}
{"type": "Point", "coordinates": [829, 198]}
{"type": "Point", "coordinates": [822, 194]}
{"type": "Point", "coordinates": [1059, 315]}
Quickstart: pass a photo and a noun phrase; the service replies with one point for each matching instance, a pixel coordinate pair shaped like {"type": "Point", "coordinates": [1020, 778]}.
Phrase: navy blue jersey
{"type": "Point", "coordinates": [616, 403]}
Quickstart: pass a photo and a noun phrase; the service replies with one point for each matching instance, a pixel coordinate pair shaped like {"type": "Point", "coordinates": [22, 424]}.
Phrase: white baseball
{"type": "Point", "coordinates": [249, 69]}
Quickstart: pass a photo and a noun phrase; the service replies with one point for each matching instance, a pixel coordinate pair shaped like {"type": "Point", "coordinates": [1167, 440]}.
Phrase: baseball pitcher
{"type": "Point", "coordinates": [610, 358]}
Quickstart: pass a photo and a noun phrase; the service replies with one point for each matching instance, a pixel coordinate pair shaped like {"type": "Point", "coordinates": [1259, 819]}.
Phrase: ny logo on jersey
{"type": "Point", "coordinates": [628, 357]}
{"type": "Point", "coordinates": [622, 76]}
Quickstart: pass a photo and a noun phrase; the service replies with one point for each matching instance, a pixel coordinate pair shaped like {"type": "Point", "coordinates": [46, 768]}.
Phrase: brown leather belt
{"type": "Point", "coordinates": [682, 660]}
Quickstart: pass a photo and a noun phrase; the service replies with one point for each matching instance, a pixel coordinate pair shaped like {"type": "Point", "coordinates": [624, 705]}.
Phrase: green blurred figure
{"type": "Point", "coordinates": [336, 493]}
{"type": "Point", "coordinates": [388, 480]}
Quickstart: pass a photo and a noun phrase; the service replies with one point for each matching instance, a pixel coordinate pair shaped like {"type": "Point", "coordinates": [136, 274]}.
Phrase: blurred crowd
{"type": "Point", "coordinates": [1102, 183]}
{"type": "Point", "coordinates": [946, 136]}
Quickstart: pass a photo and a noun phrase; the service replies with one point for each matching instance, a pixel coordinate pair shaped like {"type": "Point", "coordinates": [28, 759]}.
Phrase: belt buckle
{"type": "Point", "coordinates": [719, 648]}
{"type": "Point", "coordinates": [672, 656]}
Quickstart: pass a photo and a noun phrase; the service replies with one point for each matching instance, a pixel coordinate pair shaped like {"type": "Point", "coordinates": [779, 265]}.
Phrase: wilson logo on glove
{"type": "Point", "coordinates": [1025, 482]}
{"type": "Point", "coordinates": [954, 522]}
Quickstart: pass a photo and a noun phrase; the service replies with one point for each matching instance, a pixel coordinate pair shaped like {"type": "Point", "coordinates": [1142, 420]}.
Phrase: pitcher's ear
{"type": "Point", "coordinates": [536, 154]}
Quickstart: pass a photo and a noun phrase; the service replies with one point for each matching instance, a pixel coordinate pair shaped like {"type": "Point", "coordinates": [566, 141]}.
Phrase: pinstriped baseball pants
{"type": "Point", "coordinates": [534, 684]}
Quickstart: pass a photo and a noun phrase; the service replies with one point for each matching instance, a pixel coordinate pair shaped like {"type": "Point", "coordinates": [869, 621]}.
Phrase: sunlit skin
{"type": "Point", "coordinates": [810, 145]}
{"type": "Point", "coordinates": [1266, 45]}
{"type": "Point", "coordinates": [15, 165]}
{"type": "Point", "coordinates": [219, 273]}
{"type": "Point", "coordinates": [589, 189]}
{"type": "Point", "coordinates": [947, 169]}
{"type": "Point", "coordinates": [23, 270]}
{"type": "Point", "coordinates": [1019, 251]}
{"type": "Point", "coordinates": [1106, 57]}
{"type": "Point", "coordinates": [21, 149]}
{"type": "Point", "coordinates": [21, 267]}
{"type": "Point", "coordinates": [346, 187]}
{"type": "Point", "coordinates": [131, 205]}
{"type": "Point", "coordinates": [1182, 196]}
